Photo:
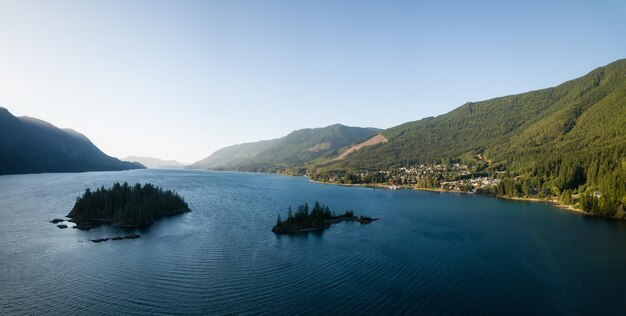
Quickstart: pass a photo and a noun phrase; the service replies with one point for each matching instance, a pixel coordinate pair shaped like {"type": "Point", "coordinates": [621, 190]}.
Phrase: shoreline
{"type": "Point", "coordinates": [555, 203]}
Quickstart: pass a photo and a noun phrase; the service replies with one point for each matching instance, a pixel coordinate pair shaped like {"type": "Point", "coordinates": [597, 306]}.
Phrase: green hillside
{"type": "Point", "coordinates": [588, 111]}
{"type": "Point", "coordinates": [297, 148]}
{"type": "Point", "coordinates": [570, 139]}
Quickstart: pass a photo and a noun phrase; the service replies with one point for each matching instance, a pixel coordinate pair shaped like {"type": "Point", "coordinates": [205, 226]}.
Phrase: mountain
{"type": "Point", "coordinates": [566, 141]}
{"type": "Point", "coordinates": [29, 145]}
{"type": "Point", "coordinates": [294, 150]}
{"type": "Point", "coordinates": [587, 114]}
{"type": "Point", "coordinates": [155, 163]}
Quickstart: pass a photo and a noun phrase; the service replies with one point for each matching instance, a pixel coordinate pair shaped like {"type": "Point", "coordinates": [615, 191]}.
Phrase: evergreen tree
{"type": "Point", "coordinates": [127, 205]}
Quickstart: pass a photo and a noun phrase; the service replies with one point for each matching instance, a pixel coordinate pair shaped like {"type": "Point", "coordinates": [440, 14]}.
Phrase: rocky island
{"type": "Point", "coordinates": [125, 206]}
{"type": "Point", "coordinates": [317, 218]}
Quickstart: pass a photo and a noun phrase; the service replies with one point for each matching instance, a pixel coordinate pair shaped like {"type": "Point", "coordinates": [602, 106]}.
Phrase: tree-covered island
{"type": "Point", "coordinates": [125, 206]}
{"type": "Point", "coordinates": [319, 217]}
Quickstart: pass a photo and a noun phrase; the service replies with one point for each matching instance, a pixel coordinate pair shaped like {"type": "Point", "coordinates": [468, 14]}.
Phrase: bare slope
{"type": "Point", "coordinates": [378, 139]}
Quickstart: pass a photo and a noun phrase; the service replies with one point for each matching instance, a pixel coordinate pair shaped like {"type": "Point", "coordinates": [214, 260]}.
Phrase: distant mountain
{"type": "Point", "coordinates": [156, 163]}
{"type": "Point", "coordinates": [29, 145]}
{"type": "Point", "coordinates": [296, 149]}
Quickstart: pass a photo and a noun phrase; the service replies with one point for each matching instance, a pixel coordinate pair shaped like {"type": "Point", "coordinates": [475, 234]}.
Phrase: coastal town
{"type": "Point", "coordinates": [455, 177]}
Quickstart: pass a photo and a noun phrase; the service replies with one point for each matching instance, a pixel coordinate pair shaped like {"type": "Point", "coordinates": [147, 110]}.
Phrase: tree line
{"type": "Point", "coordinates": [123, 204]}
{"type": "Point", "coordinates": [310, 217]}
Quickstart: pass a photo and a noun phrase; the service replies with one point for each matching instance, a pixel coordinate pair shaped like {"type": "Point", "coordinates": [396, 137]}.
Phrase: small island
{"type": "Point", "coordinates": [317, 218]}
{"type": "Point", "coordinates": [125, 206]}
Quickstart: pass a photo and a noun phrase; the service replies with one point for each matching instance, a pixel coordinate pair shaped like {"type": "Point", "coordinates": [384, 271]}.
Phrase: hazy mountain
{"type": "Point", "coordinates": [151, 162]}
{"type": "Point", "coordinates": [29, 145]}
{"type": "Point", "coordinates": [297, 148]}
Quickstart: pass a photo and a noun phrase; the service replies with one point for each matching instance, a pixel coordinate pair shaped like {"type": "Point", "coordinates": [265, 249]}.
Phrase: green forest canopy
{"type": "Point", "coordinates": [126, 205]}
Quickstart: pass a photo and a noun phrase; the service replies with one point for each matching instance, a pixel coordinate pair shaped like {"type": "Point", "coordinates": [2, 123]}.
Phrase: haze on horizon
{"type": "Point", "coordinates": [179, 80]}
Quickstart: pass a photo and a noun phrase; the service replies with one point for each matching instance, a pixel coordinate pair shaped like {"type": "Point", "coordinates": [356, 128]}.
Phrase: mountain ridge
{"type": "Point", "coordinates": [296, 148]}
{"type": "Point", "coordinates": [485, 126]}
{"type": "Point", "coordinates": [565, 143]}
{"type": "Point", "coordinates": [31, 145]}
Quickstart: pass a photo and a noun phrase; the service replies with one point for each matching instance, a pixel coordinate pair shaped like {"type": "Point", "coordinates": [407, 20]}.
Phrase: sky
{"type": "Point", "coordinates": [181, 79]}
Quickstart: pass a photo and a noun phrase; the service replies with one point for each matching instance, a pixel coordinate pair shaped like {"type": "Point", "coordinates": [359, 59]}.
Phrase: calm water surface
{"type": "Point", "coordinates": [431, 253]}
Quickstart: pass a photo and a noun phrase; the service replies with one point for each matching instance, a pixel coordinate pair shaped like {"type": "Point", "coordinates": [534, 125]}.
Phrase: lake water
{"type": "Point", "coordinates": [431, 253]}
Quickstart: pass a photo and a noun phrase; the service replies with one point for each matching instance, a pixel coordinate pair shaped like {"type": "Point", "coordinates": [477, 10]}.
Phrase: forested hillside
{"type": "Point", "coordinates": [565, 141]}
{"type": "Point", "coordinates": [296, 149]}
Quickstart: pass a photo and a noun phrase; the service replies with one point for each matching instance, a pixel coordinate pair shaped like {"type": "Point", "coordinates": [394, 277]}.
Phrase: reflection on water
{"type": "Point", "coordinates": [431, 253]}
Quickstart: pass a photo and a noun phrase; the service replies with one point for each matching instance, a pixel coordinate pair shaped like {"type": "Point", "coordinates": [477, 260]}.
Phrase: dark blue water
{"type": "Point", "coordinates": [431, 253]}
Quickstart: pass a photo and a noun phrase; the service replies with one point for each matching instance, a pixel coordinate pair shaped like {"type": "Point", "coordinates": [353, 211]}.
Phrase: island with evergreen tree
{"type": "Point", "coordinates": [317, 218]}
{"type": "Point", "coordinates": [125, 206]}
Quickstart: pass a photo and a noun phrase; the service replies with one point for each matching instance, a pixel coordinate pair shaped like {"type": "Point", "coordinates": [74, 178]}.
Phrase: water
{"type": "Point", "coordinates": [431, 253]}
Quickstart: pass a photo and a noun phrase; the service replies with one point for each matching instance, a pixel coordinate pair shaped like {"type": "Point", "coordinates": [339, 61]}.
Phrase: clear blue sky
{"type": "Point", "coordinates": [181, 79]}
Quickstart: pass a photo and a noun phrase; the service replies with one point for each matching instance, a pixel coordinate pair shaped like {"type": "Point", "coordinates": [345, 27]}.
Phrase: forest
{"type": "Point", "coordinates": [127, 206]}
{"type": "Point", "coordinates": [307, 218]}
{"type": "Point", "coordinates": [567, 143]}
{"type": "Point", "coordinates": [595, 182]}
